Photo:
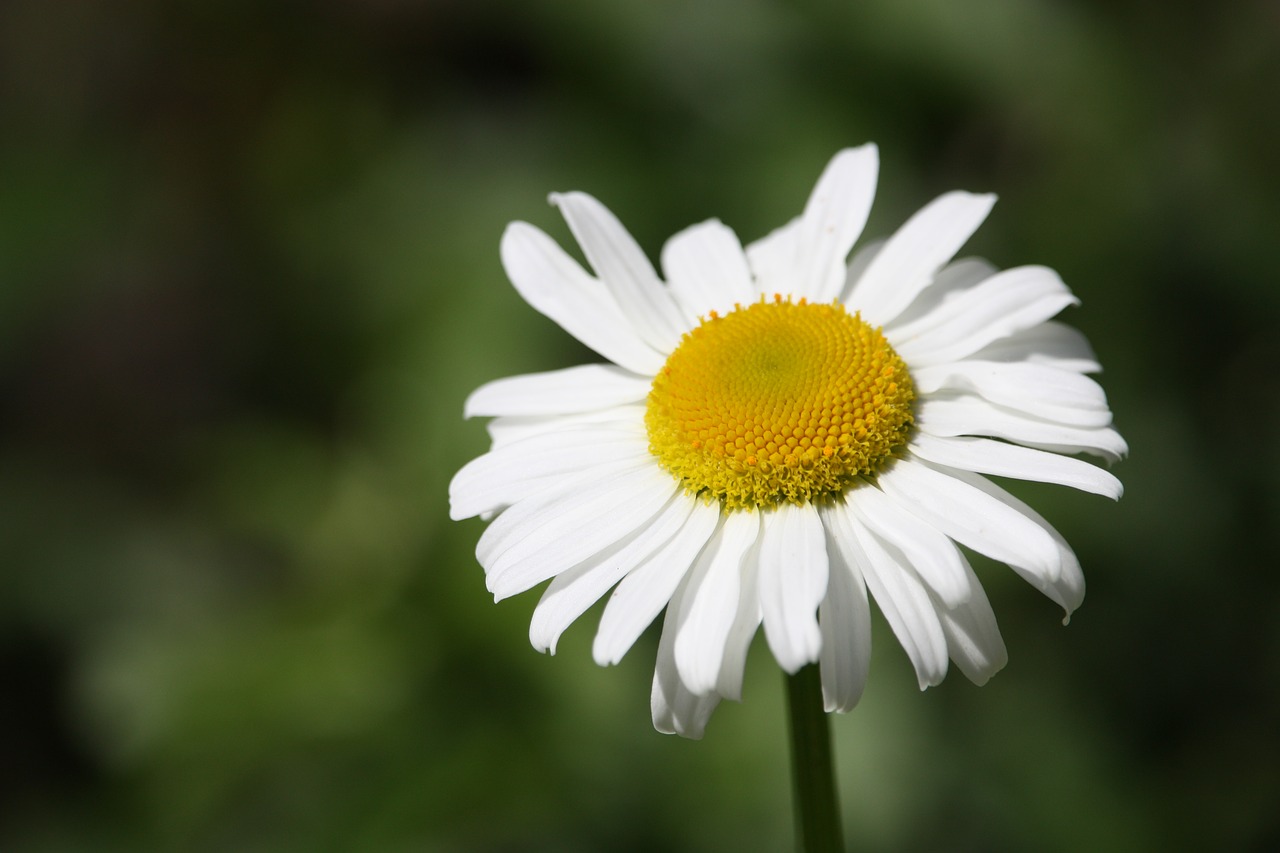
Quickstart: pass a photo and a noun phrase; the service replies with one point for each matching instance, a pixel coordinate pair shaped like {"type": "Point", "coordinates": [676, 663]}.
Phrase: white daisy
{"type": "Point", "coordinates": [781, 429]}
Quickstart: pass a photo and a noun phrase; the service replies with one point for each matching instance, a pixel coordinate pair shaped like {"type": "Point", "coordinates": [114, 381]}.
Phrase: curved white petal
{"type": "Point", "coordinates": [584, 388]}
{"type": "Point", "coordinates": [970, 515]}
{"type": "Point", "coordinates": [807, 256]}
{"type": "Point", "coordinates": [642, 594]}
{"type": "Point", "coordinates": [675, 709]}
{"type": "Point", "coordinates": [523, 548]}
{"type": "Point", "coordinates": [1063, 396]}
{"type": "Point", "coordinates": [948, 417]}
{"type": "Point", "coordinates": [745, 624]}
{"type": "Point", "coordinates": [1064, 583]}
{"type": "Point", "coordinates": [572, 591]}
{"type": "Point", "coordinates": [771, 259]}
{"type": "Point", "coordinates": [973, 637]}
{"type": "Point", "coordinates": [505, 430]}
{"type": "Point", "coordinates": [902, 598]}
{"type": "Point", "coordinates": [953, 279]}
{"type": "Point", "coordinates": [621, 264]}
{"type": "Point", "coordinates": [832, 220]}
{"type": "Point", "coordinates": [1050, 343]}
{"type": "Point", "coordinates": [557, 287]}
{"type": "Point", "coordinates": [710, 604]}
{"type": "Point", "coordinates": [1001, 305]}
{"type": "Point", "coordinates": [1001, 459]}
{"type": "Point", "coordinates": [793, 582]}
{"type": "Point", "coordinates": [912, 256]}
{"type": "Point", "coordinates": [845, 619]}
{"type": "Point", "coordinates": [515, 471]}
{"type": "Point", "coordinates": [858, 264]}
{"type": "Point", "coordinates": [932, 555]}
{"type": "Point", "coordinates": [707, 270]}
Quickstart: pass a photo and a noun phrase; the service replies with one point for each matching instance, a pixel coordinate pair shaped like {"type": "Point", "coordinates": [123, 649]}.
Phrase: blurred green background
{"type": "Point", "coordinates": [249, 272]}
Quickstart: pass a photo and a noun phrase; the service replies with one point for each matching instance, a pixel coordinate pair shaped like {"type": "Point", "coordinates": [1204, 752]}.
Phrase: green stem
{"type": "Point", "coordinates": [812, 770]}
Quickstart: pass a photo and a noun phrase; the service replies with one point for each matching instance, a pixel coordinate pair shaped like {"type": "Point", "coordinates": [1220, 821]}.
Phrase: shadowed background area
{"type": "Point", "coordinates": [249, 272]}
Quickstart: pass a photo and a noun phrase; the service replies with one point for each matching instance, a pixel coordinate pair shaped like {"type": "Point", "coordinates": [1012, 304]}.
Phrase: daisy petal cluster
{"type": "Point", "coordinates": [784, 431]}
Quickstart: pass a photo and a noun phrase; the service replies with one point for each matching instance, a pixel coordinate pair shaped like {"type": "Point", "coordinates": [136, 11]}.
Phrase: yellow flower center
{"type": "Point", "coordinates": [778, 401]}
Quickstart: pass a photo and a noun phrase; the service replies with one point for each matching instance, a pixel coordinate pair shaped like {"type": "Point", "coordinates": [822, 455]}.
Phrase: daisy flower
{"type": "Point", "coordinates": [782, 429]}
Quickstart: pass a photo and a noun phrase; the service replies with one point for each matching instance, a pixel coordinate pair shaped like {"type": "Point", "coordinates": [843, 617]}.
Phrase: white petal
{"type": "Point", "coordinates": [584, 388]}
{"type": "Point", "coordinates": [973, 638]}
{"type": "Point", "coordinates": [965, 415]}
{"type": "Point", "coordinates": [932, 555]}
{"type": "Point", "coordinates": [917, 251]}
{"type": "Point", "coordinates": [1003, 304]}
{"type": "Point", "coordinates": [520, 469]}
{"type": "Point", "coordinates": [1051, 343]}
{"type": "Point", "coordinates": [675, 709]}
{"type": "Point", "coordinates": [556, 286]}
{"type": "Point", "coordinates": [505, 430]}
{"type": "Point", "coordinates": [952, 280]}
{"type": "Point", "coordinates": [710, 604]}
{"type": "Point", "coordinates": [572, 591]}
{"type": "Point", "coordinates": [624, 269]}
{"type": "Point", "coordinates": [858, 265]}
{"type": "Point", "coordinates": [745, 624]}
{"type": "Point", "coordinates": [832, 220]}
{"type": "Point", "coordinates": [1063, 396]}
{"type": "Point", "coordinates": [521, 549]}
{"type": "Point", "coordinates": [642, 594]}
{"type": "Point", "coordinates": [845, 619]}
{"type": "Point", "coordinates": [970, 515]}
{"type": "Point", "coordinates": [1064, 583]}
{"type": "Point", "coordinates": [1001, 459]}
{"type": "Point", "coordinates": [772, 259]}
{"type": "Point", "coordinates": [793, 582]}
{"type": "Point", "coordinates": [707, 270]}
{"type": "Point", "coordinates": [902, 599]}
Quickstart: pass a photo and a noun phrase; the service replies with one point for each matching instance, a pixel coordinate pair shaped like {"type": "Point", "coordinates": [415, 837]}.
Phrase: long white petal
{"type": "Point", "coordinates": [711, 602]}
{"type": "Point", "coordinates": [584, 388]}
{"type": "Point", "coordinates": [707, 270]}
{"type": "Point", "coordinates": [621, 264]}
{"type": "Point", "coordinates": [557, 287]}
{"type": "Point", "coordinates": [793, 582]}
{"type": "Point", "coordinates": [912, 256]}
{"type": "Point", "coordinates": [970, 515]}
{"type": "Point", "coordinates": [640, 597]}
{"type": "Point", "coordinates": [1064, 583]}
{"type": "Point", "coordinates": [519, 549]}
{"type": "Point", "coordinates": [950, 281]}
{"type": "Point", "coordinates": [973, 637]}
{"type": "Point", "coordinates": [772, 259]}
{"type": "Point", "coordinates": [1050, 393]}
{"type": "Point", "coordinates": [858, 264]}
{"type": "Point", "coordinates": [932, 555]}
{"type": "Point", "coordinates": [950, 416]}
{"type": "Point", "coordinates": [745, 624]}
{"type": "Point", "coordinates": [902, 598]}
{"type": "Point", "coordinates": [675, 709]}
{"type": "Point", "coordinates": [1050, 343]}
{"type": "Point", "coordinates": [1001, 305]}
{"type": "Point", "coordinates": [1001, 459]}
{"type": "Point", "coordinates": [845, 619]}
{"type": "Point", "coordinates": [574, 590]}
{"type": "Point", "coordinates": [515, 471]}
{"type": "Point", "coordinates": [832, 220]}
{"type": "Point", "coordinates": [505, 430]}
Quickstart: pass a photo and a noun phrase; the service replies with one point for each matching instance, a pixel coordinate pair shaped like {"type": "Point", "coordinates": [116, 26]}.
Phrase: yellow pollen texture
{"type": "Point", "coordinates": [778, 401]}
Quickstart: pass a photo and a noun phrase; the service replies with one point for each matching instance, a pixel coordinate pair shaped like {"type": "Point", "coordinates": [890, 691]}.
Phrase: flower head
{"type": "Point", "coordinates": [781, 429]}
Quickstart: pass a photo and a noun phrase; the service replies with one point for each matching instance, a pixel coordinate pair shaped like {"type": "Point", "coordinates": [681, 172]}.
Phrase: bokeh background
{"type": "Point", "coordinates": [249, 272]}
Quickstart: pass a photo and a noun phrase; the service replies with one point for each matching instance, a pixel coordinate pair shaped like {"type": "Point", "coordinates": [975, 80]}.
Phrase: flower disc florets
{"type": "Point", "coordinates": [778, 401]}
